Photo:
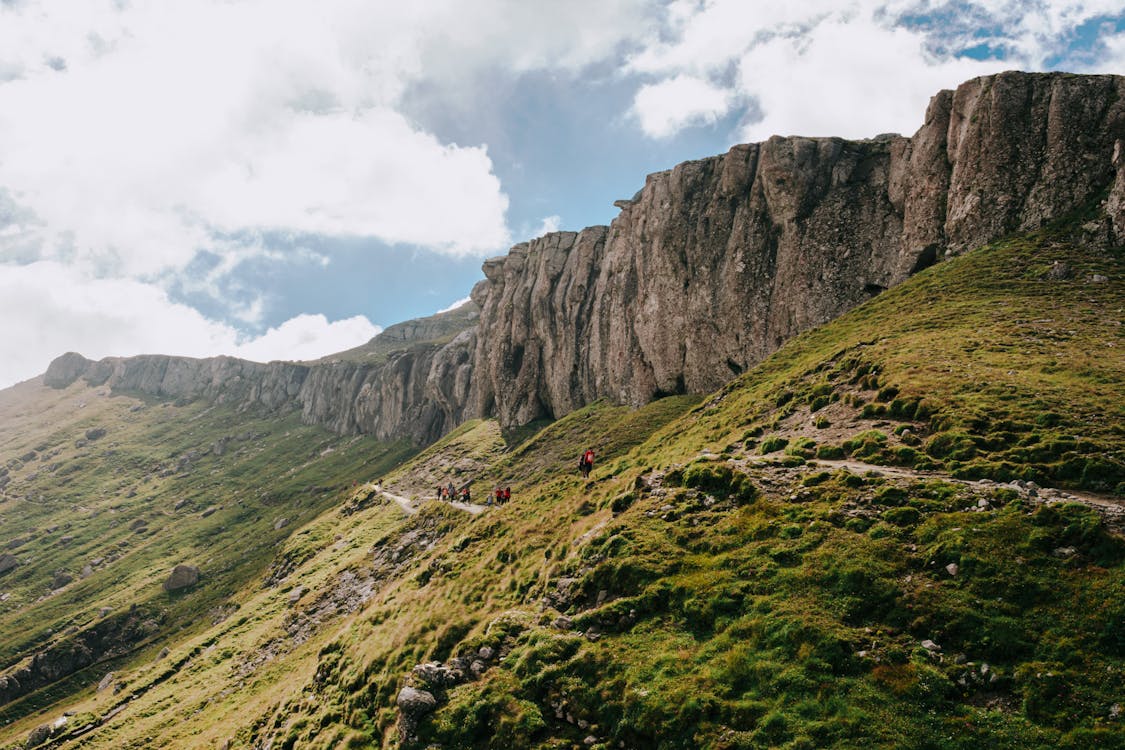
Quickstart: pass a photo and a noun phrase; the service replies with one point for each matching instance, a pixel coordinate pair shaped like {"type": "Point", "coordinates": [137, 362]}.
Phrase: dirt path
{"type": "Point", "coordinates": [1047, 493]}
{"type": "Point", "coordinates": [410, 508]}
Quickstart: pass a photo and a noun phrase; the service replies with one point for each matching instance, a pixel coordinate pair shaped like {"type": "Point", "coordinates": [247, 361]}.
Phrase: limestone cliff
{"type": "Point", "coordinates": [706, 271]}
{"type": "Point", "coordinates": [716, 262]}
{"type": "Point", "coordinates": [414, 389]}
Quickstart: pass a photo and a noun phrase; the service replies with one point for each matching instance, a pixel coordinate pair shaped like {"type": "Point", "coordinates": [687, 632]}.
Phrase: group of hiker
{"type": "Point", "coordinates": [449, 493]}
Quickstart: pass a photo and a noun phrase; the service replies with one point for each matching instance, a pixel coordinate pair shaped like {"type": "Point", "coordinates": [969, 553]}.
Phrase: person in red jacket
{"type": "Point", "coordinates": [586, 463]}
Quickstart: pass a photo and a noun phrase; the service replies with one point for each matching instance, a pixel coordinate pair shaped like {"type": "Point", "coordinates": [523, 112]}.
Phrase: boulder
{"type": "Point", "coordinates": [413, 704]}
{"type": "Point", "coordinates": [94, 433]}
{"type": "Point", "coordinates": [39, 735]}
{"type": "Point", "coordinates": [182, 577]}
{"type": "Point", "coordinates": [8, 562]}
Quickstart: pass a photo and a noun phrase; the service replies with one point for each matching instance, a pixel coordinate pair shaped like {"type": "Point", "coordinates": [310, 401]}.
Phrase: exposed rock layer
{"type": "Point", "coordinates": [716, 262]}
{"type": "Point", "coordinates": [706, 271]}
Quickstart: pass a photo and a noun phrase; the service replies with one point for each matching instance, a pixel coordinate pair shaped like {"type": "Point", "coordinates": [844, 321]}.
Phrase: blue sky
{"type": "Point", "coordinates": [278, 179]}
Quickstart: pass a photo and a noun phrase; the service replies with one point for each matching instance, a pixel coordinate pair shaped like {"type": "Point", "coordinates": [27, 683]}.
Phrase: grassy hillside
{"type": "Point", "coordinates": [893, 533]}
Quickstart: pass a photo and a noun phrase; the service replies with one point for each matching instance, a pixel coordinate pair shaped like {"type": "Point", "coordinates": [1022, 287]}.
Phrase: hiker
{"type": "Point", "coordinates": [499, 493]}
{"type": "Point", "coordinates": [451, 491]}
{"type": "Point", "coordinates": [440, 493]}
{"type": "Point", "coordinates": [507, 494]}
{"type": "Point", "coordinates": [586, 463]}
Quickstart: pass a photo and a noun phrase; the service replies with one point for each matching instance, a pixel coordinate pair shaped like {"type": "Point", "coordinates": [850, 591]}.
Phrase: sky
{"type": "Point", "coordinates": [276, 179]}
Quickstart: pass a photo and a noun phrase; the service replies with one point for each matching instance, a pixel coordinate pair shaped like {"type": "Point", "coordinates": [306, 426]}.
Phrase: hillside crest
{"type": "Point", "coordinates": [708, 269]}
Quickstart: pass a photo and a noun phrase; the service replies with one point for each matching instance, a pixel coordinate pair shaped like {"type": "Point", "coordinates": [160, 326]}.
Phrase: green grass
{"type": "Point", "coordinates": [710, 586]}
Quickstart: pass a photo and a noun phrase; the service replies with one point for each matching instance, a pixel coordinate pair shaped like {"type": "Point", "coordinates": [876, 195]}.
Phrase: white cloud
{"type": "Point", "coordinates": [549, 224]}
{"type": "Point", "coordinates": [666, 107]}
{"type": "Point", "coordinates": [854, 68]}
{"type": "Point", "coordinates": [47, 308]}
{"type": "Point", "coordinates": [183, 123]}
{"type": "Point", "coordinates": [308, 337]}
{"type": "Point", "coordinates": [453, 305]}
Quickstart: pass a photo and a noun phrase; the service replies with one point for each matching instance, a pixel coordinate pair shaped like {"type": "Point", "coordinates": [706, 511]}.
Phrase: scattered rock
{"type": "Point", "coordinates": [138, 524]}
{"type": "Point", "coordinates": [952, 569]}
{"type": "Point", "coordinates": [8, 562]}
{"type": "Point", "coordinates": [106, 681]}
{"type": "Point", "coordinates": [412, 704]}
{"type": "Point", "coordinates": [104, 611]}
{"type": "Point", "coordinates": [182, 577]}
{"type": "Point", "coordinates": [209, 511]}
{"type": "Point", "coordinates": [61, 578]}
{"type": "Point", "coordinates": [296, 594]}
{"type": "Point", "coordinates": [1098, 279]}
{"type": "Point", "coordinates": [180, 504]}
{"type": "Point", "coordinates": [1065, 552]}
{"type": "Point", "coordinates": [1060, 271]}
{"type": "Point", "coordinates": [280, 523]}
{"type": "Point", "coordinates": [39, 735]}
{"type": "Point", "coordinates": [930, 645]}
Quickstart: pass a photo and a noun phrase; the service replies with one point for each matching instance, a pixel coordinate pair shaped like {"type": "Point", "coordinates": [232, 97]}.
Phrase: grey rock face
{"type": "Point", "coordinates": [716, 262]}
{"type": "Point", "coordinates": [8, 562]}
{"type": "Point", "coordinates": [182, 577]}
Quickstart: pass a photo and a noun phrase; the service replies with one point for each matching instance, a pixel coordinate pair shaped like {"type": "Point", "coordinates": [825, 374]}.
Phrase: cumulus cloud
{"type": "Point", "coordinates": [173, 127]}
{"type": "Point", "coordinates": [548, 225]}
{"type": "Point", "coordinates": [453, 305]}
{"type": "Point", "coordinates": [854, 69]}
{"type": "Point", "coordinates": [47, 308]}
{"type": "Point", "coordinates": [666, 107]}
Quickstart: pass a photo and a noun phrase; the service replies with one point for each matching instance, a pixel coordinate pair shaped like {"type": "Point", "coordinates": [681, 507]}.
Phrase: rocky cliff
{"type": "Point", "coordinates": [716, 262]}
{"type": "Point", "coordinates": [706, 271]}
{"type": "Point", "coordinates": [414, 388]}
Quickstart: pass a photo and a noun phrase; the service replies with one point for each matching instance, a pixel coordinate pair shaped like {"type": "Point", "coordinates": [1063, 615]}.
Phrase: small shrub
{"type": "Point", "coordinates": [873, 411]}
{"type": "Point", "coordinates": [886, 394]}
{"type": "Point", "coordinates": [865, 444]}
{"type": "Point", "coordinates": [622, 502]}
{"type": "Point", "coordinates": [822, 422]}
{"type": "Point", "coordinates": [772, 444]}
{"type": "Point", "coordinates": [720, 480]}
{"type": "Point", "coordinates": [905, 516]}
{"type": "Point", "coordinates": [803, 447]}
{"type": "Point", "coordinates": [829, 452]}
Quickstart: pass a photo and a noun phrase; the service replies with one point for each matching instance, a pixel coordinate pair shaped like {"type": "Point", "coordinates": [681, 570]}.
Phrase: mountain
{"type": "Point", "coordinates": [900, 527]}
{"type": "Point", "coordinates": [709, 268]}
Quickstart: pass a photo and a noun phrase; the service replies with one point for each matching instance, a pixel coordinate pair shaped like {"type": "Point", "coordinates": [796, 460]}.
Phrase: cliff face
{"type": "Point", "coordinates": [716, 262]}
{"type": "Point", "coordinates": [415, 393]}
{"type": "Point", "coordinates": [705, 272]}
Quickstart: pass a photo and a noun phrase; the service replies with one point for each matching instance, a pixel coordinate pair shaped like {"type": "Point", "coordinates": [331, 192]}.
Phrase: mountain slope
{"type": "Point", "coordinates": [715, 584]}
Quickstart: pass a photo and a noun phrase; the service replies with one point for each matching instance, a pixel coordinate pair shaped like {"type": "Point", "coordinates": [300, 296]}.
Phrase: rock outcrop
{"type": "Point", "coordinates": [716, 262]}
{"type": "Point", "coordinates": [182, 577]}
{"type": "Point", "coordinates": [706, 271]}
